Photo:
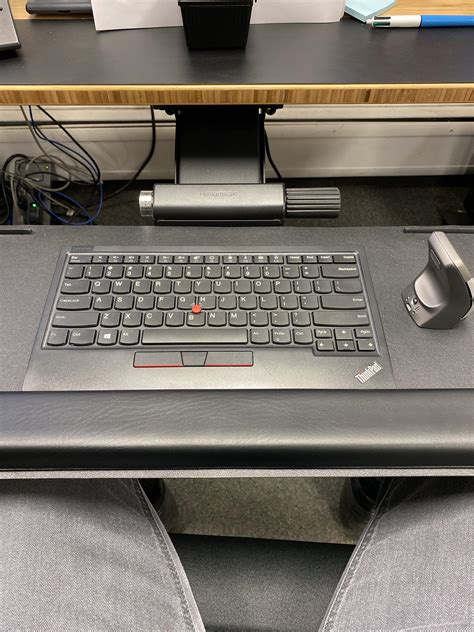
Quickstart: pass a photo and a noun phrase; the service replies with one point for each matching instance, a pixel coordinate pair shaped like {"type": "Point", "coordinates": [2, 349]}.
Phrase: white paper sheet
{"type": "Point", "coordinates": [140, 14]}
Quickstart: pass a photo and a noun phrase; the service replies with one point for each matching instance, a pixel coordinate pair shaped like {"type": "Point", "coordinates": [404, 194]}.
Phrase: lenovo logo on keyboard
{"type": "Point", "coordinates": [149, 300]}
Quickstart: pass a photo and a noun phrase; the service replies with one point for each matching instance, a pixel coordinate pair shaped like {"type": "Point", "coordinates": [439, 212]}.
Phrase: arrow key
{"type": "Point", "coordinates": [343, 333]}
{"type": "Point", "coordinates": [345, 345]}
{"type": "Point", "coordinates": [366, 345]}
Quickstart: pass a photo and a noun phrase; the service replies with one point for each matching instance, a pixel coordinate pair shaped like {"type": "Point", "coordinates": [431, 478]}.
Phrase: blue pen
{"type": "Point", "coordinates": [420, 21]}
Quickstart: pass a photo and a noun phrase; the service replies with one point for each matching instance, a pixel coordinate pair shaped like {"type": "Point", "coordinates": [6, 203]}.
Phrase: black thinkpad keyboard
{"type": "Point", "coordinates": [159, 300]}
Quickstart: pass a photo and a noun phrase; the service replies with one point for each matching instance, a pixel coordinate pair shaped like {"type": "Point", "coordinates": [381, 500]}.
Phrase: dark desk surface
{"type": "Point", "coordinates": [68, 62]}
{"type": "Point", "coordinates": [426, 421]}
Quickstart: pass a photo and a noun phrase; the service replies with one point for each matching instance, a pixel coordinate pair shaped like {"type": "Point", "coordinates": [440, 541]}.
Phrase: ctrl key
{"type": "Point", "coordinates": [82, 337]}
{"type": "Point", "coordinates": [57, 337]}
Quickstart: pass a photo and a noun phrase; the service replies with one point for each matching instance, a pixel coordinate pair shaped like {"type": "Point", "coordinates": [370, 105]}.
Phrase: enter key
{"type": "Point", "coordinates": [347, 301]}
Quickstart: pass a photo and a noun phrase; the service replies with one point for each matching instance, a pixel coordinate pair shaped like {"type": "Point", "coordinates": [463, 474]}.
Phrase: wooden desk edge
{"type": "Point", "coordinates": [293, 94]}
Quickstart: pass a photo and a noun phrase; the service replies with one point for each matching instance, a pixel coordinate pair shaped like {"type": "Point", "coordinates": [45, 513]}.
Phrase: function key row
{"type": "Point", "coordinates": [209, 259]}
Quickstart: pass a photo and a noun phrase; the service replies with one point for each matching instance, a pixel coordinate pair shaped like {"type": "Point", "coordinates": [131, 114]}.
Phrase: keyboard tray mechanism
{"type": "Point", "coordinates": [206, 310]}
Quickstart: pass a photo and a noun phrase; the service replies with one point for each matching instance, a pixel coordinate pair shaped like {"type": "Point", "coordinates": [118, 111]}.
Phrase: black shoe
{"type": "Point", "coordinates": [359, 499]}
{"type": "Point", "coordinates": [162, 500]}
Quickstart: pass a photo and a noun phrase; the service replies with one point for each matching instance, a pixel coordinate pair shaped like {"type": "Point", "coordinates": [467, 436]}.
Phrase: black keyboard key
{"type": "Point", "coordinates": [131, 319]}
{"type": "Point", "coordinates": [281, 336]}
{"type": "Point", "coordinates": [342, 301]}
{"type": "Point", "coordinates": [74, 272]}
{"type": "Point", "coordinates": [245, 259]}
{"type": "Point", "coordinates": [100, 259]}
{"type": "Point", "coordinates": [182, 286]}
{"type": "Point", "coordinates": [275, 259]}
{"type": "Point", "coordinates": [230, 259]}
{"type": "Point", "coordinates": [216, 319]}
{"type": "Point", "coordinates": [289, 301]}
{"type": "Point", "coordinates": [197, 335]}
{"type": "Point", "coordinates": [57, 337]}
{"type": "Point", "coordinates": [212, 259]}
{"type": "Point", "coordinates": [165, 302]}
{"type": "Point", "coordinates": [74, 302]}
{"type": "Point", "coordinates": [181, 259]}
{"type": "Point", "coordinates": [115, 259]}
{"type": "Point", "coordinates": [290, 272]}
{"type": "Point", "coordinates": [348, 286]}
{"type": "Point", "coordinates": [282, 287]}
{"type": "Point", "coordinates": [260, 259]}
{"type": "Point", "coordinates": [242, 286]}
{"type": "Point", "coordinates": [302, 336]}
{"type": "Point", "coordinates": [280, 319]}
{"type": "Point", "coordinates": [228, 301]}
{"type": "Point", "coordinates": [340, 318]}
{"type": "Point", "coordinates": [114, 272]}
{"type": "Point", "coordinates": [310, 258]}
{"type": "Point", "coordinates": [344, 259]}
{"type": "Point", "coordinates": [110, 319]}
{"type": "Point", "coordinates": [343, 334]}
{"type": "Point", "coordinates": [251, 272]}
{"type": "Point", "coordinates": [174, 319]}
{"type": "Point", "coordinates": [310, 272]}
{"type": "Point", "coordinates": [80, 259]}
{"type": "Point", "coordinates": [262, 287]}
{"type": "Point", "coordinates": [247, 302]}
{"type": "Point", "coordinates": [301, 319]}
{"type": "Point", "coordinates": [196, 320]}
{"type": "Point", "coordinates": [293, 259]}
{"type": "Point", "coordinates": [271, 272]}
{"type": "Point", "coordinates": [101, 287]}
{"type": "Point", "coordinates": [223, 286]}
{"type": "Point", "coordinates": [322, 286]}
{"type": "Point", "coordinates": [193, 272]}
{"type": "Point", "coordinates": [94, 272]}
{"type": "Point", "coordinates": [153, 319]}
{"type": "Point", "coordinates": [165, 259]}
{"type": "Point", "coordinates": [162, 287]}
{"type": "Point", "coordinates": [340, 271]}
{"type": "Point", "coordinates": [128, 259]}
{"type": "Point", "coordinates": [130, 337]}
{"type": "Point", "coordinates": [148, 259]}
{"type": "Point", "coordinates": [103, 303]}
{"type": "Point", "coordinates": [133, 272]}
{"type": "Point", "coordinates": [325, 258]}
{"type": "Point", "coordinates": [323, 332]}
{"type": "Point", "coordinates": [203, 286]}
{"type": "Point", "coordinates": [232, 272]}
{"type": "Point", "coordinates": [142, 287]}
{"type": "Point", "coordinates": [82, 337]}
{"type": "Point", "coordinates": [154, 272]}
{"type": "Point", "coordinates": [259, 336]}
{"type": "Point", "coordinates": [121, 287]}
{"type": "Point", "coordinates": [363, 332]}
{"type": "Point", "coordinates": [173, 272]}
{"type": "Point", "coordinates": [325, 345]}
{"type": "Point", "coordinates": [366, 345]}
{"type": "Point", "coordinates": [345, 345]}
{"type": "Point", "coordinates": [268, 302]}
{"type": "Point", "coordinates": [206, 301]}
{"type": "Point", "coordinates": [124, 302]}
{"type": "Point", "coordinates": [75, 319]}
{"type": "Point", "coordinates": [237, 319]}
{"type": "Point", "coordinates": [185, 302]}
{"type": "Point", "coordinates": [79, 286]}
{"type": "Point", "coordinates": [145, 302]}
{"type": "Point", "coordinates": [107, 338]}
{"type": "Point", "coordinates": [309, 302]}
{"type": "Point", "coordinates": [259, 319]}
{"type": "Point", "coordinates": [302, 286]}
{"type": "Point", "coordinates": [212, 272]}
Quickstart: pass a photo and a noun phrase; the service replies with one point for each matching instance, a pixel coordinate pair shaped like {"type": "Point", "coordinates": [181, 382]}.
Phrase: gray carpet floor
{"type": "Point", "coordinates": [284, 508]}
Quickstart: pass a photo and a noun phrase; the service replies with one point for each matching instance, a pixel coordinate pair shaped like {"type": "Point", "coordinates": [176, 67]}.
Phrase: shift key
{"type": "Point", "coordinates": [78, 319]}
{"type": "Point", "coordinates": [340, 318]}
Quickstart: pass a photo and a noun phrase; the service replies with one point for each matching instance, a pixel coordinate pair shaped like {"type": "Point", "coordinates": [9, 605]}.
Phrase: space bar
{"type": "Point", "coordinates": [194, 336]}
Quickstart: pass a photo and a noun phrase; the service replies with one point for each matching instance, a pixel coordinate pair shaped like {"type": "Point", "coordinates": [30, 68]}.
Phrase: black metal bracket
{"type": "Point", "coordinates": [220, 173]}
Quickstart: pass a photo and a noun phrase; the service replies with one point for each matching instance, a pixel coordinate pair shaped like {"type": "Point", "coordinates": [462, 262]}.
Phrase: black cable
{"type": "Point", "coordinates": [5, 219]}
{"type": "Point", "coordinates": [270, 159]}
{"type": "Point", "coordinates": [144, 163]}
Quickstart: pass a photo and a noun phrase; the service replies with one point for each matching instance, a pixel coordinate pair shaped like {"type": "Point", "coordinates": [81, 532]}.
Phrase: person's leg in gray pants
{"type": "Point", "coordinates": [86, 556]}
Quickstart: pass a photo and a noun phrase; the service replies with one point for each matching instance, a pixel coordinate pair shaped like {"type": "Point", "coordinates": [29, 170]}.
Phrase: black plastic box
{"type": "Point", "coordinates": [216, 23]}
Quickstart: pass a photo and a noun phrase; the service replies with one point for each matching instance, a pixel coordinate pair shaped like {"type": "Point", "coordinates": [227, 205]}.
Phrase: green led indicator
{"type": "Point", "coordinates": [34, 205]}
